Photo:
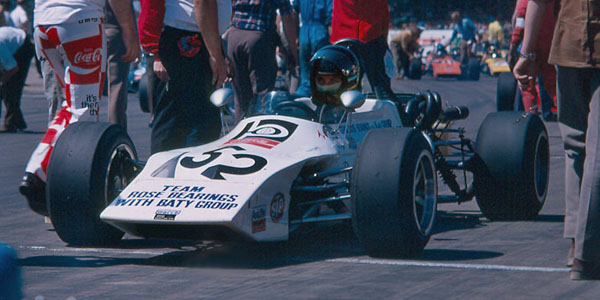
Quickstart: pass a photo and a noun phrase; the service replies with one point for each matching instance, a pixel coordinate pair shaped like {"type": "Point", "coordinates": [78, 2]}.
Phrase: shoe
{"type": "Point", "coordinates": [34, 190]}
{"type": "Point", "coordinates": [571, 255]}
{"type": "Point", "coordinates": [585, 270]}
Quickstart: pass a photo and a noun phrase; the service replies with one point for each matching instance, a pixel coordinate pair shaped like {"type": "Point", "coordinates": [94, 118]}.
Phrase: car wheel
{"type": "Point", "coordinates": [415, 69]}
{"type": "Point", "coordinates": [474, 69]}
{"type": "Point", "coordinates": [89, 167]}
{"type": "Point", "coordinates": [143, 94]}
{"type": "Point", "coordinates": [506, 91]}
{"type": "Point", "coordinates": [394, 192]}
{"type": "Point", "coordinates": [511, 182]}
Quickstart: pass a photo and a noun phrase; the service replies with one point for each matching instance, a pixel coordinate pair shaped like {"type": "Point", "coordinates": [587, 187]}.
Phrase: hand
{"type": "Point", "coordinates": [132, 46]}
{"type": "Point", "coordinates": [160, 71]}
{"type": "Point", "coordinates": [219, 70]}
{"type": "Point", "coordinates": [524, 71]}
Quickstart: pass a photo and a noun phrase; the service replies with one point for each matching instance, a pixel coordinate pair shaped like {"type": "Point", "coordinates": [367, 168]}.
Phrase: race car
{"type": "Point", "coordinates": [494, 63]}
{"type": "Point", "coordinates": [442, 64]}
{"type": "Point", "coordinates": [349, 156]}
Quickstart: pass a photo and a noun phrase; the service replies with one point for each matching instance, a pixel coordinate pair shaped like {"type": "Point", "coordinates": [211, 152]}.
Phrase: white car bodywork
{"type": "Point", "coordinates": [242, 181]}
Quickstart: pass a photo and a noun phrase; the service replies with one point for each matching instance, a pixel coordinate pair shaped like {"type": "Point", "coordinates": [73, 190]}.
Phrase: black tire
{"type": "Point", "coordinates": [506, 92]}
{"type": "Point", "coordinates": [387, 217]}
{"type": "Point", "coordinates": [86, 169]}
{"type": "Point", "coordinates": [474, 69]}
{"type": "Point", "coordinates": [143, 94]}
{"type": "Point", "coordinates": [511, 183]}
{"type": "Point", "coordinates": [414, 69]}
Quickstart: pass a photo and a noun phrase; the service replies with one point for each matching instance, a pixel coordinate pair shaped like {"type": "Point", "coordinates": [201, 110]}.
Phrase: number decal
{"type": "Point", "coordinates": [189, 162]}
{"type": "Point", "coordinates": [214, 172]}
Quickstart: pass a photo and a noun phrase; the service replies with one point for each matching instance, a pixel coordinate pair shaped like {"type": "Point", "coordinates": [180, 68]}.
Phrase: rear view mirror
{"type": "Point", "coordinates": [352, 99]}
{"type": "Point", "coordinates": [221, 97]}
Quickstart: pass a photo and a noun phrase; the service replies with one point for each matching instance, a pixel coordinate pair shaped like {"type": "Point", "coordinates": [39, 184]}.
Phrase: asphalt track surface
{"type": "Point", "coordinates": [468, 257]}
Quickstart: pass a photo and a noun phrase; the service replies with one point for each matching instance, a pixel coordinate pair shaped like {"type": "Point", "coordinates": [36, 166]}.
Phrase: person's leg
{"type": "Point", "coordinates": [117, 77]}
{"type": "Point", "coordinates": [14, 88]}
{"type": "Point", "coordinates": [587, 240]}
{"type": "Point", "coordinates": [263, 68]}
{"type": "Point", "coordinates": [184, 115]}
{"type": "Point", "coordinates": [52, 88]}
{"type": "Point", "coordinates": [238, 45]}
{"type": "Point", "coordinates": [83, 46]}
{"type": "Point", "coordinates": [304, 56]}
{"type": "Point", "coordinates": [405, 63]}
{"type": "Point", "coordinates": [375, 67]}
{"type": "Point", "coordinates": [572, 105]}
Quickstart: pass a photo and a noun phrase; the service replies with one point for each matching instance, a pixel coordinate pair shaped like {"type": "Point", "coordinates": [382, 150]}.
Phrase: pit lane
{"type": "Point", "coordinates": [468, 256]}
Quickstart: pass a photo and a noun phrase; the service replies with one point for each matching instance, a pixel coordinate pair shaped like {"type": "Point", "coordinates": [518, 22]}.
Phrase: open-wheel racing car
{"type": "Point", "coordinates": [341, 155]}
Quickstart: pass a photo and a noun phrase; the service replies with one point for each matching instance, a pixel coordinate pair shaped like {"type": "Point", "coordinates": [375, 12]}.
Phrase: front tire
{"type": "Point", "coordinates": [511, 182]}
{"type": "Point", "coordinates": [88, 168]}
{"type": "Point", "coordinates": [394, 192]}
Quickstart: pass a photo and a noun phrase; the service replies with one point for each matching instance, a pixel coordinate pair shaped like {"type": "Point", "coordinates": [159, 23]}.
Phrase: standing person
{"type": "Point", "coordinates": [575, 51]}
{"type": "Point", "coordinates": [496, 33]}
{"type": "Point", "coordinates": [465, 33]}
{"type": "Point", "coordinates": [190, 50]}
{"type": "Point", "coordinates": [251, 44]}
{"type": "Point", "coordinates": [70, 35]}
{"type": "Point", "coordinates": [16, 52]}
{"type": "Point", "coordinates": [118, 69]}
{"type": "Point", "coordinates": [315, 16]}
{"type": "Point", "coordinates": [366, 21]}
{"type": "Point", "coordinates": [150, 24]}
{"type": "Point", "coordinates": [404, 44]}
{"type": "Point", "coordinates": [542, 51]}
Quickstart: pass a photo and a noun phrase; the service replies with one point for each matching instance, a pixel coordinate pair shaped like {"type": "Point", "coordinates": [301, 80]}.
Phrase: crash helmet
{"type": "Point", "coordinates": [440, 50]}
{"type": "Point", "coordinates": [333, 70]}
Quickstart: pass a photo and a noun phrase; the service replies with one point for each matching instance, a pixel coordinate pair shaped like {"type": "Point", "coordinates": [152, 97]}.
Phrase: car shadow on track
{"type": "Point", "coordinates": [321, 242]}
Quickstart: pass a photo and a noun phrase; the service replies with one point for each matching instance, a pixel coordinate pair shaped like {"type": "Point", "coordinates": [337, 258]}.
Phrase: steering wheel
{"type": "Point", "coordinates": [289, 108]}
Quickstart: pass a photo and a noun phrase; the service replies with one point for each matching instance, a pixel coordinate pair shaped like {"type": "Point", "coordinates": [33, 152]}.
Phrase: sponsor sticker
{"type": "Point", "coordinates": [277, 207]}
{"type": "Point", "coordinates": [259, 222]}
{"type": "Point", "coordinates": [162, 214]}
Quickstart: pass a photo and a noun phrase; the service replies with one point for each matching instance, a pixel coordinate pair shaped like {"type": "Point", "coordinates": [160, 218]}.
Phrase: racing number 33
{"type": "Point", "coordinates": [214, 172]}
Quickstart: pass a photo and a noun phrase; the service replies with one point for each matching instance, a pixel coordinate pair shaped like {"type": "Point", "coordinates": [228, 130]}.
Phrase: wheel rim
{"type": "Point", "coordinates": [540, 167]}
{"type": "Point", "coordinates": [120, 172]}
{"type": "Point", "coordinates": [424, 193]}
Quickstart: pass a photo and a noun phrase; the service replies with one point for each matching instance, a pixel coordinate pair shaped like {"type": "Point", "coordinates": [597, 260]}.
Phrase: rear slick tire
{"type": "Point", "coordinates": [88, 168]}
{"type": "Point", "coordinates": [394, 193]}
{"type": "Point", "coordinates": [506, 92]}
{"type": "Point", "coordinates": [511, 180]}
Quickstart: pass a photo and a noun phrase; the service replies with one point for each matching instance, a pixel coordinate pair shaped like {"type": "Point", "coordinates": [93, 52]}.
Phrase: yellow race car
{"type": "Point", "coordinates": [493, 62]}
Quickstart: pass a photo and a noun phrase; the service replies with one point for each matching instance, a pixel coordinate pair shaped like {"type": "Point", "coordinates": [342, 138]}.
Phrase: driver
{"type": "Point", "coordinates": [334, 70]}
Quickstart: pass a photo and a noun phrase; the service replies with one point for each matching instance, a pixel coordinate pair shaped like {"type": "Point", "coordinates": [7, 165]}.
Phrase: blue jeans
{"type": "Point", "coordinates": [312, 38]}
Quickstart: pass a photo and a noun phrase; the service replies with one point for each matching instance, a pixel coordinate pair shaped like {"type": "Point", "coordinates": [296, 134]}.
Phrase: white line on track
{"type": "Point", "coordinates": [404, 263]}
{"type": "Point", "coordinates": [445, 265]}
{"type": "Point", "coordinates": [91, 250]}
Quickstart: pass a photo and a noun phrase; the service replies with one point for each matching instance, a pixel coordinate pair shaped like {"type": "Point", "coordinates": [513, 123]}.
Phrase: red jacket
{"type": "Point", "coordinates": [364, 20]}
{"type": "Point", "coordinates": [150, 24]}
{"type": "Point", "coordinates": [544, 38]}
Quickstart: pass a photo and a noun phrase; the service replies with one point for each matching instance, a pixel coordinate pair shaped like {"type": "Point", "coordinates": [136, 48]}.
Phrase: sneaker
{"type": "Point", "coordinates": [34, 189]}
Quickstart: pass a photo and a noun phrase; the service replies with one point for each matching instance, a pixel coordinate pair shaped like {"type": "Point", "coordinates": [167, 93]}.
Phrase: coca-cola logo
{"type": "Point", "coordinates": [88, 57]}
